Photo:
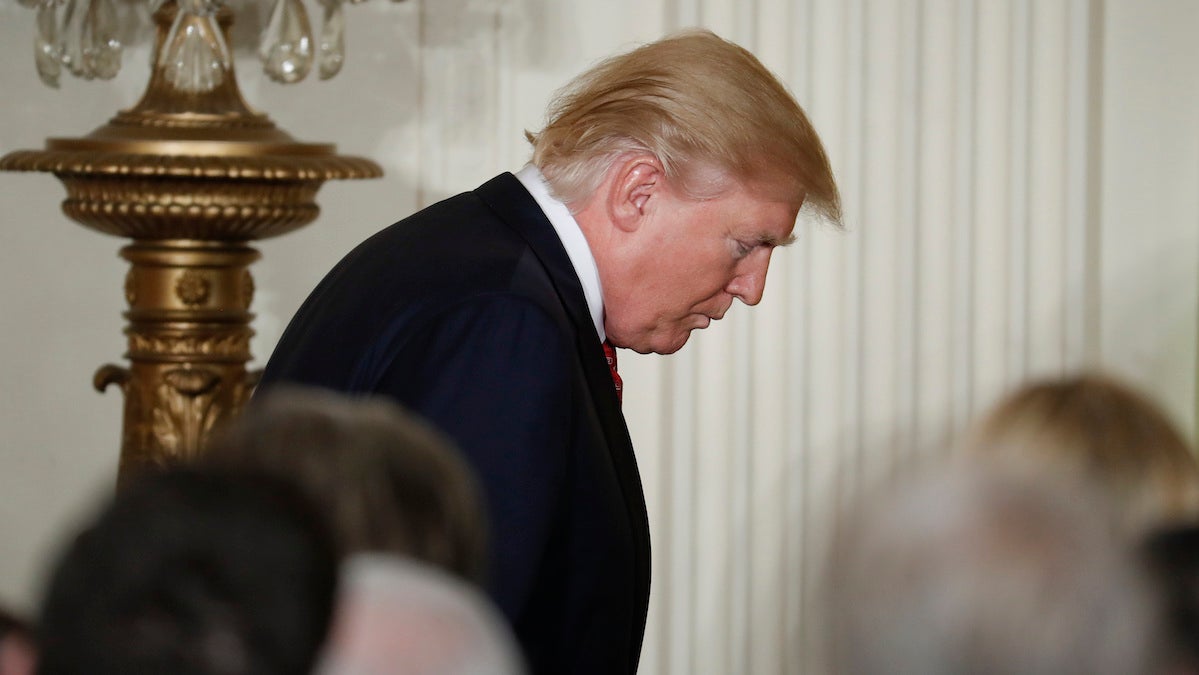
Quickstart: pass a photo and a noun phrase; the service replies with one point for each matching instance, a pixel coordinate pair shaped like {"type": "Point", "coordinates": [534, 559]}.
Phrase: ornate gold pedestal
{"type": "Point", "coordinates": [190, 178]}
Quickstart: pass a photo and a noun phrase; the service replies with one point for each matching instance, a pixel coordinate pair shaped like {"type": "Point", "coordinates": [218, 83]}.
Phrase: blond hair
{"type": "Point", "coordinates": [696, 102]}
{"type": "Point", "coordinates": [1098, 428]}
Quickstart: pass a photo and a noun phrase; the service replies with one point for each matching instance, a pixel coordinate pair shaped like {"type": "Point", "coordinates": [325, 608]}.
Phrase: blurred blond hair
{"type": "Point", "coordinates": [698, 103]}
{"type": "Point", "coordinates": [1099, 428]}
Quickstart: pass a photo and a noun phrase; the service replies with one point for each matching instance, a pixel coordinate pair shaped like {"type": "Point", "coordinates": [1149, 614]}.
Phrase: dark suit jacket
{"type": "Point", "coordinates": [470, 313]}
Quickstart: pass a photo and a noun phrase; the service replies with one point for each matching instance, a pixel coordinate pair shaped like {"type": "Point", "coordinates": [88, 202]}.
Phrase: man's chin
{"type": "Point", "coordinates": [671, 346]}
{"type": "Point", "coordinates": [654, 343]}
{"type": "Point", "coordinates": [654, 348]}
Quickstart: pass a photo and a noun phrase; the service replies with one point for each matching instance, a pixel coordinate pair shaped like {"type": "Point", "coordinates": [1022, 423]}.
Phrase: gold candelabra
{"type": "Point", "coordinates": [191, 175]}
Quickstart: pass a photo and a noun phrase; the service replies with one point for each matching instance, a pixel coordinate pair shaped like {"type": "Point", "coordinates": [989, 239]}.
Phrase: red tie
{"type": "Point", "coordinates": [610, 354]}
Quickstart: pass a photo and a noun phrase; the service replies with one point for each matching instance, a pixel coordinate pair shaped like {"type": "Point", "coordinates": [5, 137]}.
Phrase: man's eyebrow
{"type": "Point", "coordinates": [774, 241]}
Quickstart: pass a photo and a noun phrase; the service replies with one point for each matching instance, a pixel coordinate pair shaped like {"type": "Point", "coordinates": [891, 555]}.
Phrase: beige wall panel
{"type": "Point", "coordinates": [1149, 218]}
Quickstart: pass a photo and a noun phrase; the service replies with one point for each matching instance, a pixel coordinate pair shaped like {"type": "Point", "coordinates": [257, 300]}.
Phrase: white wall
{"type": "Point", "coordinates": [1019, 181]}
{"type": "Point", "coordinates": [1148, 152]}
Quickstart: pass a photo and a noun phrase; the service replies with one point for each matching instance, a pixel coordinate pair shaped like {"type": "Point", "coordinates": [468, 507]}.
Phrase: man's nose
{"type": "Point", "coordinates": [750, 282]}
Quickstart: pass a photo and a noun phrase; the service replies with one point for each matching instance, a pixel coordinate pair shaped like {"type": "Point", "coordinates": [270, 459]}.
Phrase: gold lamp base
{"type": "Point", "coordinates": [190, 178]}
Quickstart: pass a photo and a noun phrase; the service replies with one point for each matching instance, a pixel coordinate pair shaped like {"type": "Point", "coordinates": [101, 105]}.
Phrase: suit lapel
{"type": "Point", "coordinates": [512, 203]}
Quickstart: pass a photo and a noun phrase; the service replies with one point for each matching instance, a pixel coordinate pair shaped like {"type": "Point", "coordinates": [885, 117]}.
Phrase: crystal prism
{"type": "Point", "coordinates": [47, 49]}
{"type": "Point", "coordinates": [287, 50]}
{"type": "Point", "coordinates": [195, 56]}
{"type": "Point", "coordinates": [101, 46]}
{"type": "Point", "coordinates": [331, 51]}
{"type": "Point", "coordinates": [70, 36]}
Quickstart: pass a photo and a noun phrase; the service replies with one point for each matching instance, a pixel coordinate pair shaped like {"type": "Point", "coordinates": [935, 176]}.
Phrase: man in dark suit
{"type": "Point", "coordinates": [656, 193]}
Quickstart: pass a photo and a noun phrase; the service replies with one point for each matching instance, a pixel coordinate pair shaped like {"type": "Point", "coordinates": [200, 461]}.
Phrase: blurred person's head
{"type": "Point", "coordinates": [397, 616]}
{"type": "Point", "coordinates": [1100, 429]}
{"type": "Point", "coordinates": [386, 480]}
{"type": "Point", "coordinates": [192, 573]}
{"type": "Point", "coordinates": [979, 570]}
{"type": "Point", "coordinates": [18, 654]}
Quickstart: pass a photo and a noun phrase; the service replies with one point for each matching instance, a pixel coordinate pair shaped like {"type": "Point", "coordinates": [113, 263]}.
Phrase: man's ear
{"type": "Point", "coordinates": [637, 182]}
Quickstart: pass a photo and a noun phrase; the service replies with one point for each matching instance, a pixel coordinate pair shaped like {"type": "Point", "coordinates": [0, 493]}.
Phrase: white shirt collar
{"type": "Point", "coordinates": [572, 240]}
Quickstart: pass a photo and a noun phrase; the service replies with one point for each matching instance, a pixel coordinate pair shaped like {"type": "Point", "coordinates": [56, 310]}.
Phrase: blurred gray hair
{"type": "Point", "coordinates": [397, 616]}
{"type": "Point", "coordinates": [974, 570]}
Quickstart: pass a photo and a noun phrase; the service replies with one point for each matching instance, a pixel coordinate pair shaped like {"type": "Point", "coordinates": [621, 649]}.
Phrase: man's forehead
{"type": "Point", "coordinates": [777, 230]}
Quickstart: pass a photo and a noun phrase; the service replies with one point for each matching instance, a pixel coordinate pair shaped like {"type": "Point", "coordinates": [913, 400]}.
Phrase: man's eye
{"type": "Point", "coordinates": [742, 249]}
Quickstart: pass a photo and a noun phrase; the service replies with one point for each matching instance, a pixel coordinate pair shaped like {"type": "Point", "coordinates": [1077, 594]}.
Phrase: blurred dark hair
{"type": "Point", "coordinates": [1172, 554]}
{"type": "Point", "coordinates": [386, 480]}
{"type": "Point", "coordinates": [11, 624]}
{"type": "Point", "coordinates": [192, 572]}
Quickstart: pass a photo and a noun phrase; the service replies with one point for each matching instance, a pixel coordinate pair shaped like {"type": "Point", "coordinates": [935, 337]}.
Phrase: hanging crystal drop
{"type": "Point", "coordinates": [195, 56]}
{"type": "Point", "coordinates": [101, 46]}
{"type": "Point", "coordinates": [331, 51]}
{"type": "Point", "coordinates": [47, 50]}
{"type": "Point", "coordinates": [286, 51]}
{"type": "Point", "coordinates": [70, 36]}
